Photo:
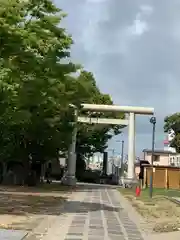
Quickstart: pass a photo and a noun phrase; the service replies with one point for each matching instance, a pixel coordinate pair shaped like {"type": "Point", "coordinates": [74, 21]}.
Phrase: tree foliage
{"type": "Point", "coordinates": [33, 78]}
{"type": "Point", "coordinates": [93, 138]}
{"type": "Point", "coordinates": [38, 82]}
{"type": "Point", "coordinates": [172, 125]}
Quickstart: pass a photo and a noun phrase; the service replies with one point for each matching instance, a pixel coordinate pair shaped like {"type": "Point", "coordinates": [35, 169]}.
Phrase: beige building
{"type": "Point", "coordinates": [161, 157]}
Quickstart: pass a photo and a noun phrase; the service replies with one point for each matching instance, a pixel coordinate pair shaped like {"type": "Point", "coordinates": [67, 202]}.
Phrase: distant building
{"type": "Point", "coordinates": [95, 162]}
{"type": "Point", "coordinates": [114, 163]}
{"type": "Point", "coordinates": [162, 157]}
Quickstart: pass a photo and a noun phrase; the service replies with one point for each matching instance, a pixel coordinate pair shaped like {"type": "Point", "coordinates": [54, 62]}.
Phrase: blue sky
{"type": "Point", "coordinates": [133, 49]}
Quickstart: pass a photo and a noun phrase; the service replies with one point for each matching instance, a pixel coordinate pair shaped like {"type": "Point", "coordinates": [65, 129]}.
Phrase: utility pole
{"type": "Point", "coordinates": [113, 151]}
{"type": "Point", "coordinates": [122, 156]}
{"type": "Point", "coordinates": [122, 159]}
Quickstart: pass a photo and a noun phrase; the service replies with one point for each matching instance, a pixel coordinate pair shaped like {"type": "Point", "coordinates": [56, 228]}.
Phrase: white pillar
{"type": "Point", "coordinates": [131, 146]}
{"type": "Point", "coordinates": [71, 166]}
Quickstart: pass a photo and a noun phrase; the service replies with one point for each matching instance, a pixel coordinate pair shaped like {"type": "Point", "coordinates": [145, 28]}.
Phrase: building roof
{"type": "Point", "coordinates": [160, 166]}
{"type": "Point", "coordinates": [158, 151]}
{"type": "Point", "coordinates": [141, 162]}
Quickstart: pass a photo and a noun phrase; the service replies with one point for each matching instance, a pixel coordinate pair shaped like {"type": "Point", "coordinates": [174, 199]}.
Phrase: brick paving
{"type": "Point", "coordinates": [95, 213]}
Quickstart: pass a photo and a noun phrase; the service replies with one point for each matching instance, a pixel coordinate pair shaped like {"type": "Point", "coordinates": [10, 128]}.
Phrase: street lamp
{"type": "Point", "coordinates": [153, 122]}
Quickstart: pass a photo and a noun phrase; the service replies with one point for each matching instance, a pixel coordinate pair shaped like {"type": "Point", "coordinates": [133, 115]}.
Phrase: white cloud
{"type": "Point", "coordinates": [140, 24]}
{"type": "Point", "coordinates": [138, 27]}
{"type": "Point", "coordinates": [133, 48]}
{"type": "Point", "coordinates": [146, 9]}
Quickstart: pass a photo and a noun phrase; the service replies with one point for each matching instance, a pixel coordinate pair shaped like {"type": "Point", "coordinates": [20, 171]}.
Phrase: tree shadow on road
{"type": "Point", "coordinates": [47, 200]}
{"type": "Point", "coordinates": [16, 204]}
{"type": "Point", "coordinates": [85, 207]}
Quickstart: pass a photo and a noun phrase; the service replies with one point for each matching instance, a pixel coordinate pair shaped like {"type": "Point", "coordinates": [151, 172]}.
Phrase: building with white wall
{"type": "Point", "coordinates": [95, 162]}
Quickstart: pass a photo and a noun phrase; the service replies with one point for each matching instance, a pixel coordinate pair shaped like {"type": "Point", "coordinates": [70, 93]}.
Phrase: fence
{"type": "Point", "coordinates": [163, 177]}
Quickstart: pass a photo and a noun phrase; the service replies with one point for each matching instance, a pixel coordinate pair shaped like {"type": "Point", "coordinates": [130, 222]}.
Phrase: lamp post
{"type": "Point", "coordinates": [153, 122]}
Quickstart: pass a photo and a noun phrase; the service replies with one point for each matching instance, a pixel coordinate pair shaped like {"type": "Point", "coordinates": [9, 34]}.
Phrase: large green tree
{"type": "Point", "coordinates": [172, 125]}
{"type": "Point", "coordinates": [92, 138]}
{"type": "Point", "coordinates": [38, 81]}
{"type": "Point", "coordinates": [33, 78]}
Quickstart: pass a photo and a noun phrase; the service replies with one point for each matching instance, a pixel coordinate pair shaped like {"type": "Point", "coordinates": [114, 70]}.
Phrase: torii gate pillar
{"type": "Point", "coordinates": [131, 146]}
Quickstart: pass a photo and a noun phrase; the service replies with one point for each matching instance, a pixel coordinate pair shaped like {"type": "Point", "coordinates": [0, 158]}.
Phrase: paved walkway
{"type": "Point", "coordinates": [12, 234]}
{"type": "Point", "coordinates": [95, 213]}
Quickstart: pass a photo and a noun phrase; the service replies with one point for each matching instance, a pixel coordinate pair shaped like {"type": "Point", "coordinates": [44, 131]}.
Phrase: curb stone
{"type": "Point", "coordinates": [143, 226]}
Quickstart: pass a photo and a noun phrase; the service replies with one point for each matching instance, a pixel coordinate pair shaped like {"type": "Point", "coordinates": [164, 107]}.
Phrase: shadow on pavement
{"type": "Point", "coordinates": [88, 186]}
{"type": "Point", "coordinates": [85, 207]}
{"type": "Point", "coordinates": [23, 201]}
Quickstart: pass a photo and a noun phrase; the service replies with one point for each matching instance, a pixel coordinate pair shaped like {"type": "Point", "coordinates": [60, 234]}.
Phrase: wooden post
{"type": "Point", "coordinates": [166, 178]}
{"type": "Point", "coordinates": [179, 177]}
{"type": "Point", "coordinates": [145, 178]}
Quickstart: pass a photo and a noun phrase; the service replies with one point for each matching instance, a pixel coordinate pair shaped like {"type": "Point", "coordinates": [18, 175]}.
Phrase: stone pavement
{"type": "Point", "coordinates": [94, 213]}
{"type": "Point", "coordinates": [12, 234]}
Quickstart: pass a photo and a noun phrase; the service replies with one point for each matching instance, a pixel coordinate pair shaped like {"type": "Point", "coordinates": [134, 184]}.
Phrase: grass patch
{"type": "Point", "coordinates": [160, 212]}
{"type": "Point", "coordinates": [156, 192]}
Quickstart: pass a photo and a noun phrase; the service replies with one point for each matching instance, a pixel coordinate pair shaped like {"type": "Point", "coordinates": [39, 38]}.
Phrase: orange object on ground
{"type": "Point", "coordinates": [138, 191]}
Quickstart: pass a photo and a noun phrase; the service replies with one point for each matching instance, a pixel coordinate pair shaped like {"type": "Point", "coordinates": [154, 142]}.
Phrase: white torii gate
{"type": "Point", "coordinates": [132, 111]}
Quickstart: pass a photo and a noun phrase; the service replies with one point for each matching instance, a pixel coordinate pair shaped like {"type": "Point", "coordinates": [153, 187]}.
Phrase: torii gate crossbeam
{"type": "Point", "coordinates": [132, 111]}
